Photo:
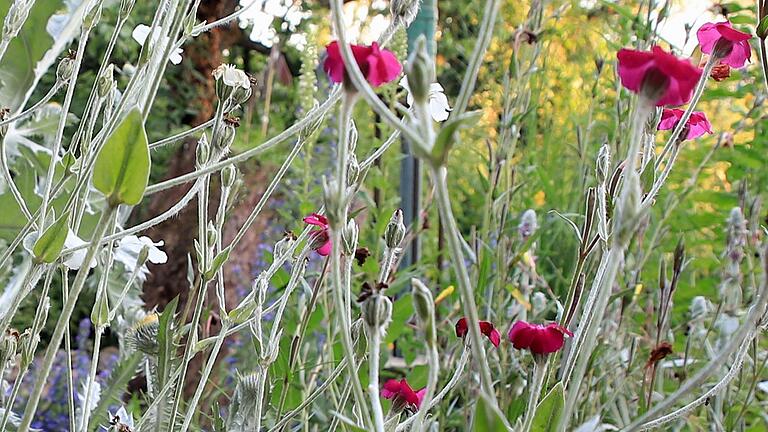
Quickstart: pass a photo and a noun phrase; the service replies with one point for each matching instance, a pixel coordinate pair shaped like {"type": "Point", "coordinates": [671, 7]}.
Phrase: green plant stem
{"type": "Point", "coordinates": [374, 345]}
{"type": "Point", "coordinates": [83, 427]}
{"type": "Point", "coordinates": [61, 324]}
{"type": "Point", "coordinates": [439, 178]}
{"type": "Point", "coordinates": [539, 372]}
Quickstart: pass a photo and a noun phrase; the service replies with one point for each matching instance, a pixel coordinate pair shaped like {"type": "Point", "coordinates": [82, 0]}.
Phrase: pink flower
{"type": "Point", "coordinates": [379, 66]}
{"type": "Point", "coordinates": [722, 40]}
{"type": "Point", "coordinates": [400, 392]}
{"type": "Point", "coordinates": [320, 240]}
{"type": "Point", "coordinates": [669, 80]}
{"type": "Point", "coordinates": [539, 339]}
{"type": "Point", "coordinates": [486, 328]}
{"type": "Point", "coordinates": [697, 124]}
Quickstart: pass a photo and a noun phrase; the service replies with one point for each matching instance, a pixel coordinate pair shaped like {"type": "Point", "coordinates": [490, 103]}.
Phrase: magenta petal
{"type": "Point", "coordinates": [740, 53]}
{"type": "Point", "coordinates": [495, 337]}
{"type": "Point", "coordinates": [669, 118]}
{"type": "Point", "coordinates": [317, 220]}
{"type": "Point", "coordinates": [708, 37]}
{"type": "Point", "coordinates": [325, 249]}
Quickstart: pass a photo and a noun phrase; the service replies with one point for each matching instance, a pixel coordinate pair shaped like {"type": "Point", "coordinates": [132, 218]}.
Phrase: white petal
{"type": "Point", "coordinates": [76, 259]}
{"type": "Point", "coordinates": [404, 83]}
{"type": "Point", "coordinates": [140, 33]}
{"type": "Point", "coordinates": [175, 57]}
{"type": "Point", "coordinates": [438, 107]}
{"type": "Point", "coordinates": [435, 88]}
{"type": "Point", "coordinates": [763, 386]}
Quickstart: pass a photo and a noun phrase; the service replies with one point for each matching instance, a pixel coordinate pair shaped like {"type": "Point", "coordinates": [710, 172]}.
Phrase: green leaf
{"type": "Point", "coordinates": [447, 136]}
{"type": "Point", "coordinates": [487, 417]}
{"type": "Point", "coordinates": [121, 171]}
{"type": "Point", "coordinates": [762, 28]}
{"type": "Point", "coordinates": [48, 247]}
{"type": "Point", "coordinates": [549, 410]}
{"type": "Point", "coordinates": [218, 261]}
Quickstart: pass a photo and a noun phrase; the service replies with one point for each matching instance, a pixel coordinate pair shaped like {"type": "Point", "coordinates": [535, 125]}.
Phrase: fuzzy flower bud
{"type": "Point", "coordinates": [92, 16]}
{"type": "Point", "coordinates": [353, 170]}
{"type": "Point", "coordinates": [377, 312]}
{"type": "Point", "coordinates": [528, 224]}
{"type": "Point", "coordinates": [125, 8]}
{"type": "Point", "coordinates": [65, 69]}
{"type": "Point", "coordinates": [420, 71]}
{"type": "Point", "coordinates": [333, 205]}
{"type": "Point", "coordinates": [424, 305]}
{"type": "Point", "coordinates": [8, 345]}
{"type": "Point", "coordinates": [106, 82]}
{"type": "Point", "coordinates": [17, 14]}
{"type": "Point", "coordinates": [349, 237]}
{"type": "Point", "coordinates": [395, 231]}
{"type": "Point", "coordinates": [228, 176]}
{"type": "Point", "coordinates": [603, 164]}
{"type": "Point", "coordinates": [404, 11]}
{"type": "Point", "coordinates": [202, 152]}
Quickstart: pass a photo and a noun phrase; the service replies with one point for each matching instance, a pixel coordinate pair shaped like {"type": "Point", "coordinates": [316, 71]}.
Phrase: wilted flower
{"type": "Point", "coordinates": [439, 108]}
{"type": "Point", "coordinates": [320, 240]}
{"type": "Point", "coordinates": [720, 72]}
{"type": "Point", "coordinates": [401, 394]}
{"type": "Point", "coordinates": [379, 66]}
{"type": "Point", "coordinates": [141, 33]}
{"type": "Point", "coordinates": [486, 328]}
{"type": "Point", "coordinates": [696, 126]}
{"type": "Point", "coordinates": [657, 74]}
{"type": "Point", "coordinates": [726, 43]}
{"type": "Point", "coordinates": [539, 339]}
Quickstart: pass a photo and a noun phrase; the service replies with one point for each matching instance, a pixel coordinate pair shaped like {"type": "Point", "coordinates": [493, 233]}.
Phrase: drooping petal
{"type": "Point", "coordinates": [390, 389]}
{"type": "Point", "coordinates": [669, 118]}
{"type": "Point", "coordinates": [140, 33]}
{"type": "Point", "coordinates": [316, 220]}
{"type": "Point", "coordinates": [334, 64]}
{"type": "Point", "coordinates": [325, 249]}
{"type": "Point", "coordinates": [461, 327]}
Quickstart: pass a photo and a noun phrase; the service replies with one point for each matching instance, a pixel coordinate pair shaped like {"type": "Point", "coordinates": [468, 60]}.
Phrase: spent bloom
{"type": "Point", "coordinates": [401, 393]}
{"type": "Point", "coordinates": [438, 105]}
{"type": "Point", "coordinates": [658, 75]}
{"type": "Point", "coordinates": [723, 41]}
{"type": "Point", "coordinates": [379, 66]}
{"type": "Point", "coordinates": [320, 239]}
{"type": "Point", "coordinates": [720, 72]}
{"type": "Point", "coordinates": [486, 328]}
{"type": "Point", "coordinates": [141, 34]}
{"type": "Point", "coordinates": [539, 339]}
{"type": "Point", "coordinates": [696, 126]}
{"type": "Point", "coordinates": [232, 76]}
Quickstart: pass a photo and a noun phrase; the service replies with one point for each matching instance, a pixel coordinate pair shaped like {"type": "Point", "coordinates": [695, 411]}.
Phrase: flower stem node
{"type": "Point", "coordinates": [420, 71]}
{"type": "Point", "coordinates": [395, 230]}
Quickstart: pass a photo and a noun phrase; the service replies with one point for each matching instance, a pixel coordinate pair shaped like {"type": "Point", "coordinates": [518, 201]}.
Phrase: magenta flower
{"type": "Point", "coordinates": [723, 40]}
{"type": "Point", "coordinates": [658, 73]}
{"type": "Point", "coordinates": [379, 66]}
{"type": "Point", "coordinates": [320, 239]}
{"type": "Point", "coordinates": [401, 393]}
{"type": "Point", "coordinates": [697, 124]}
{"type": "Point", "coordinates": [539, 339]}
{"type": "Point", "coordinates": [486, 328]}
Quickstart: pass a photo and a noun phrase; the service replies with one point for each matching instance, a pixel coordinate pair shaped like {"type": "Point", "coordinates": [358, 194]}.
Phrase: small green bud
{"type": "Point", "coordinates": [212, 234]}
{"type": "Point", "coordinates": [100, 311]}
{"type": "Point", "coordinates": [349, 237]}
{"type": "Point", "coordinates": [424, 305]}
{"type": "Point", "coordinates": [227, 133]}
{"type": "Point", "coordinates": [353, 170]}
{"type": "Point", "coordinates": [202, 152]}
{"type": "Point", "coordinates": [420, 71]}
{"type": "Point", "coordinates": [92, 16]}
{"type": "Point", "coordinates": [106, 82]}
{"type": "Point", "coordinates": [377, 312]}
{"type": "Point", "coordinates": [395, 230]}
{"type": "Point", "coordinates": [228, 176]}
{"type": "Point", "coordinates": [65, 69]}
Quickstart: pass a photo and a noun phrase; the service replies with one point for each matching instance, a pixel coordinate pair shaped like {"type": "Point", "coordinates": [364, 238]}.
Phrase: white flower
{"type": "Point", "coordinates": [128, 250]}
{"type": "Point", "coordinates": [122, 418]}
{"type": "Point", "coordinates": [438, 102]}
{"type": "Point", "coordinates": [232, 76]}
{"type": "Point", "coordinates": [141, 34]}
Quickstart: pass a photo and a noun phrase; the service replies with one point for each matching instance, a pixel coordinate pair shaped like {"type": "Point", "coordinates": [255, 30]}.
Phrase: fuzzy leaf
{"type": "Point", "coordinates": [121, 171]}
{"type": "Point", "coordinates": [549, 410]}
{"type": "Point", "coordinates": [487, 417]}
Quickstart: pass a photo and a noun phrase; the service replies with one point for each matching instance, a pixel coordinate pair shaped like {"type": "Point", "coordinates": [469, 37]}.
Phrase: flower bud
{"type": "Point", "coordinates": [202, 151]}
{"type": "Point", "coordinates": [106, 82]}
{"type": "Point", "coordinates": [349, 237]}
{"type": "Point", "coordinates": [333, 205]}
{"type": "Point", "coordinates": [228, 176]}
{"type": "Point", "coordinates": [284, 246]}
{"type": "Point", "coordinates": [259, 288]}
{"type": "Point", "coordinates": [353, 170]}
{"type": "Point", "coordinates": [8, 345]}
{"type": "Point", "coordinates": [212, 234]}
{"type": "Point", "coordinates": [100, 311]}
{"type": "Point", "coordinates": [92, 16]}
{"type": "Point", "coordinates": [65, 69]}
{"type": "Point", "coordinates": [424, 306]}
{"type": "Point", "coordinates": [603, 164]}
{"type": "Point", "coordinates": [352, 137]}
{"type": "Point", "coordinates": [420, 71]}
{"type": "Point", "coordinates": [404, 11]}
{"type": "Point", "coordinates": [699, 309]}
{"type": "Point", "coordinates": [17, 15]}
{"type": "Point", "coordinates": [377, 312]}
{"type": "Point", "coordinates": [528, 224]}
{"type": "Point", "coordinates": [395, 230]}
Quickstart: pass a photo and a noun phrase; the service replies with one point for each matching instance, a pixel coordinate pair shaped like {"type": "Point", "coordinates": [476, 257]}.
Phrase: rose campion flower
{"type": "Point", "coordinates": [722, 40]}
{"type": "Point", "coordinates": [486, 328]}
{"type": "Point", "coordinates": [401, 393]}
{"type": "Point", "coordinates": [697, 124]}
{"type": "Point", "coordinates": [379, 66]}
{"type": "Point", "coordinates": [319, 237]}
{"type": "Point", "coordinates": [539, 339]}
{"type": "Point", "coordinates": [659, 74]}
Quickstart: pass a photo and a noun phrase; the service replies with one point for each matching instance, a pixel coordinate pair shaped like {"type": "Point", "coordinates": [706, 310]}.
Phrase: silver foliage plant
{"type": "Point", "coordinates": [103, 173]}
